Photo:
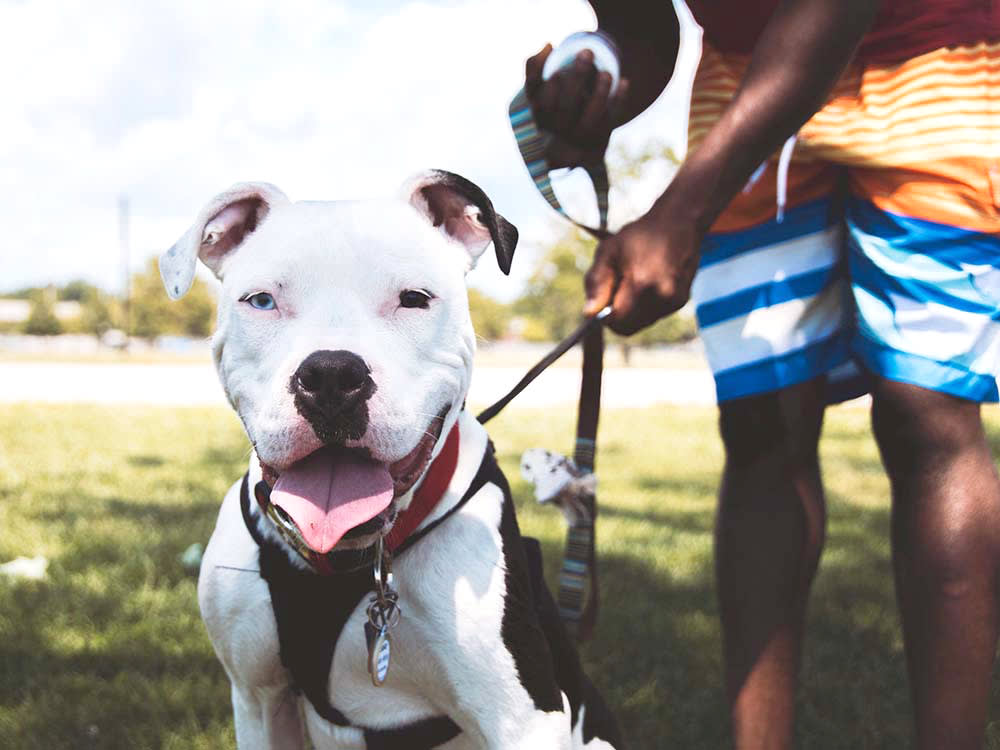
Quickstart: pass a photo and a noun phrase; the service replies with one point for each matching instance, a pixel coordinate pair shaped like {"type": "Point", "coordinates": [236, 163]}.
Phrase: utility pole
{"type": "Point", "coordinates": [123, 239]}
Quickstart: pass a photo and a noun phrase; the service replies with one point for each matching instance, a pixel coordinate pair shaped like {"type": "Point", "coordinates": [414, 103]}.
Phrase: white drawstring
{"type": "Point", "coordinates": [784, 160]}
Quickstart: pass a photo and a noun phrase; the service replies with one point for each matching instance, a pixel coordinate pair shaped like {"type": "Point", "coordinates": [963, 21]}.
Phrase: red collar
{"type": "Point", "coordinates": [428, 494]}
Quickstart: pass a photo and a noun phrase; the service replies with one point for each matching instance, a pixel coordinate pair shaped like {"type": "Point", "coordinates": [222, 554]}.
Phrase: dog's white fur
{"type": "Point", "coordinates": [336, 271]}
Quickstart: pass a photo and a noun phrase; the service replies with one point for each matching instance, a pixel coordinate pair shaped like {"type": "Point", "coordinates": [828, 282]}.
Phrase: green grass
{"type": "Point", "coordinates": [109, 652]}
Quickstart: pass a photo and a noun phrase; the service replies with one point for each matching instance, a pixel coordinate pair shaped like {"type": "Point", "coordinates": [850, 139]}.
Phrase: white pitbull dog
{"type": "Point", "coordinates": [345, 346]}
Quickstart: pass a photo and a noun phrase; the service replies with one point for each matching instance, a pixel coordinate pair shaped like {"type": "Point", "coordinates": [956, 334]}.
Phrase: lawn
{"type": "Point", "coordinates": [109, 652]}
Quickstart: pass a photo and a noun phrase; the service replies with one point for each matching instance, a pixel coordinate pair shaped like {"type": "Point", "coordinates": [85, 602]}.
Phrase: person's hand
{"type": "Point", "coordinates": [644, 271]}
{"type": "Point", "coordinates": [575, 107]}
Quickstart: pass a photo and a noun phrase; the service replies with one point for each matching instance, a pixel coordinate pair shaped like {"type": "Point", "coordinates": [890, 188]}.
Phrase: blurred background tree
{"type": "Point", "coordinates": [99, 311]}
{"type": "Point", "coordinates": [490, 317]}
{"type": "Point", "coordinates": [154, 314]}
{"type": "Point", "coordinates": [81, 307]}
{"type": "Point", "coordinates": [553, 297]}
{"type": "Point", "coordinates": [42, 320]}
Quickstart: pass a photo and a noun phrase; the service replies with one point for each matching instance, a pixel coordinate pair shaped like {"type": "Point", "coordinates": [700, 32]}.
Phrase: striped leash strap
{"type": "Point", "coordinates": [577, 596]}
{"type": "Point", "coordinates": [532, 142]}
{"type": "Point", "coordinates": [577, 605]}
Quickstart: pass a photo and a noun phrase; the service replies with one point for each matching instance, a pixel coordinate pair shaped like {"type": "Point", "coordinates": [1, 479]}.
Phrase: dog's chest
{"type": "Point", "coordinates": [448, 642]}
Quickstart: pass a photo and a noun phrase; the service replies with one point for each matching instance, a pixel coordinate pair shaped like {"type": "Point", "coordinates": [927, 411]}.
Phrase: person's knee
{"type": "Point", "coordinates": [774, 430]}
{"type": "Point", "coordinates": [917, 430]}
{"type": "Point", "coordinates": [946, 513]}
{"type": "Point", "coordinates": [953, 556]}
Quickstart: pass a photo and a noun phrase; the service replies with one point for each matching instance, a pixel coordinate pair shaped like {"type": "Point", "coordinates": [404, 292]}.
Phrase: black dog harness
{"type": "Point", "coordinates": [311, 610]}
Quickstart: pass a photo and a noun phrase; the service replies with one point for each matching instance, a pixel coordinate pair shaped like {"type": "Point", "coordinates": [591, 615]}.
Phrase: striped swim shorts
{"type": "Point", "coordinates": [886, 260]}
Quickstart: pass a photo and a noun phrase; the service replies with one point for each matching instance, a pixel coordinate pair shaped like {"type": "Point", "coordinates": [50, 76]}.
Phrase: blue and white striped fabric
{"type": "Point", "coordinates": [782, 303]}
{"type": "Point", "coordinates": [928, 301]}
{"type": "Point", "coordinates": [769, 301]}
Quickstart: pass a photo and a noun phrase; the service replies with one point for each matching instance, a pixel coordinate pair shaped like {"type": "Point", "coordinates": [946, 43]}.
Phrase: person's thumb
{"type": "Point", "coordinates": [534, 64]}
{"type": "Point", "coordinates": [601, 279]}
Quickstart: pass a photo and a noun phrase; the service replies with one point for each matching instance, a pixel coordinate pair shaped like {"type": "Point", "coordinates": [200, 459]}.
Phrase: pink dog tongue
{"type": "Point", "coordinates": [329, 493]}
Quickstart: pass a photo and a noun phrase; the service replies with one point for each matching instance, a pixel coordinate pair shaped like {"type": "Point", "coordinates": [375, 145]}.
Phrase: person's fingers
{"type": "Point", "coordinates": [623, 309]}
{"type": "Point", "coordinates": [572, 81]}
{"type": "Point", "coordinates": [561, 154]}
{"type": "Point", "coordinates": [616, 103]}
{"type": "Point", "coordinates": [601, 279]}
{"type": "Point", "coordinates": [595, 111]}
{"type": "Point", "coordinates": [544, 102]}
{"type": "Point", "coordinates": [533, 69]}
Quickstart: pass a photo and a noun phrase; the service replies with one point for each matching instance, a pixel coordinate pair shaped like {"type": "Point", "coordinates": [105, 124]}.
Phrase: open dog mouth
{"type": "Point", "coordinates": [336, 493]}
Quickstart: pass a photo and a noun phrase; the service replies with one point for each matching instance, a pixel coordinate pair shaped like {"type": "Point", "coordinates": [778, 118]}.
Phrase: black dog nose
{"type": "Point", "coordinates": [336, 376]}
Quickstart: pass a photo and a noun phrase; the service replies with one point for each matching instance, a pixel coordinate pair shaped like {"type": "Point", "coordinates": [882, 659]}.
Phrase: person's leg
{"type": "Point", "coordinates": [924, 256]}
{"type": "Point", "coordinates": [946, 551]}
{"type": "Point", "coordinates": [769, 534]}
{"type": "Point", "coordinates": [769, 302]}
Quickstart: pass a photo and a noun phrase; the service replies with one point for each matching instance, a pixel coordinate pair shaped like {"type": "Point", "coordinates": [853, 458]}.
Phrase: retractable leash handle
{"type": "Point", "coordinates": [533, 142]}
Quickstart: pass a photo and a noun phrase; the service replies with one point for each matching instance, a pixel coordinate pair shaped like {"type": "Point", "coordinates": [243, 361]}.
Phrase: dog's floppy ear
{"type": "Point", "coordinates": [220, 228]}
{"type": "Point", "coordinates": [464, 213]}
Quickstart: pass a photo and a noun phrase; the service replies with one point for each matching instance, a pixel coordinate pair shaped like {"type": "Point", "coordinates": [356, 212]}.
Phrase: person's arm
{"type": "Point", "coordinates": [646, 270]}
{"type": "Point", "coordinates": [575, 105]}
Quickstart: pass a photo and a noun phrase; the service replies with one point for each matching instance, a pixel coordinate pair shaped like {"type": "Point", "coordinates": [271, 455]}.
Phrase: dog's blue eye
{"type": "Point", "coordinates": [415, 298]}
{"type": "Point", "coordinates": [261, 301]}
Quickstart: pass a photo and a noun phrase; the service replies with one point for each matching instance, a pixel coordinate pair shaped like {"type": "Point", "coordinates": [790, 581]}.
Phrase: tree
{"type": "Point", "coordinates": [490, 317]}
{"type": "Point", "coordinates": [78, 290]}
{"type": "Point", "coordinates": [100, 313]}
{"type": "Point", "coordinates": [42, 320]}
{"type": "Point", "coordinates": [153, 314]}
{"type": "Point", "coordinates": [554, 293]}
{"type": "Point", "coordinates": [196, 310]}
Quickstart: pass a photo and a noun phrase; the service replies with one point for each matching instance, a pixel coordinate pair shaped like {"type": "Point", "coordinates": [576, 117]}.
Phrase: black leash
{"type": "Point", "coordinates": [590, 324]}
{"type": "Point", "coordinates": [579, 568]}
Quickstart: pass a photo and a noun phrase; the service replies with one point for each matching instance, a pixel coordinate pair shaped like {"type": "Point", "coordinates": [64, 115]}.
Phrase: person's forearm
{"type": "Point", "coordinates": [798, 58]}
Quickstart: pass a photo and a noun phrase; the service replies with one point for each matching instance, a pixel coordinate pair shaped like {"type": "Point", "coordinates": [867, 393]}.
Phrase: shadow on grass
{"type": "Point", "coordinates": [686, 521]}
{"type": "Point", "coordinates": [110, 651]}
{"type": "Point", "coordinates": [656, 653]}
{"type": "Point", "coordinates": [104, 666]}
{"type": "Point", "coordinates": [688, 485]}
{"type": "Point", "coordinates": [98, 507]}
{"type": "Point", "coordinates": [146, 461]}
{"type": "Point", "coordinates": [108, 691]}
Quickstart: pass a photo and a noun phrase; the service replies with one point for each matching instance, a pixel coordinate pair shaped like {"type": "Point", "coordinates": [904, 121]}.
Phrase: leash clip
{"type": "Point", "coordinates": [382, 569]}
{"type": "Point", "coordinates": [383, 615]}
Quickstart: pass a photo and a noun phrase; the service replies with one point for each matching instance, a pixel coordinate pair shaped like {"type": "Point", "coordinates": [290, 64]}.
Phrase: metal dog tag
{"type": "Point", "coordinates": [379, 652]}
{"type": "Point", "coordinates": [383, 614]}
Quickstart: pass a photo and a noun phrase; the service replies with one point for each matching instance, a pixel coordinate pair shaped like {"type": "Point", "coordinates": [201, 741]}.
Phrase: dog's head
{"type": "Point", "coordinates": [343, 338]}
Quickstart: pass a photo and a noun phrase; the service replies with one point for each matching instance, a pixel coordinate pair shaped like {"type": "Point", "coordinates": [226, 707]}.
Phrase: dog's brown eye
{"type": "Point", "coordinates": [415, 298]}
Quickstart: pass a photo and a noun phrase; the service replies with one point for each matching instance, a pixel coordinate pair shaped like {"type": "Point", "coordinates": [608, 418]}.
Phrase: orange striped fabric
{"type": "Point", "coordinates": [920, 137]}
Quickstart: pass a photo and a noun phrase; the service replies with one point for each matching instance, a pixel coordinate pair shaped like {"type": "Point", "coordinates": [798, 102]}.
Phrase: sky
{"type": "Point", "coordinates": [168, 103]}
